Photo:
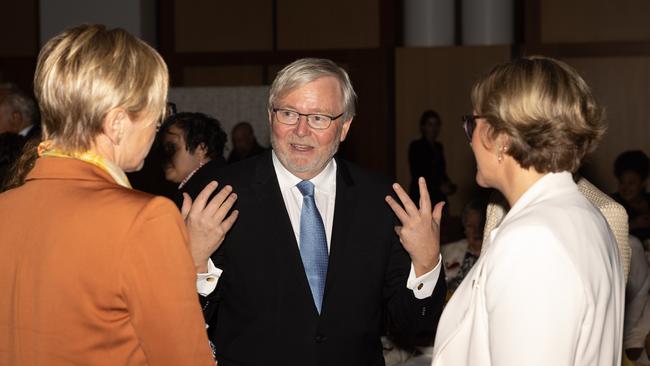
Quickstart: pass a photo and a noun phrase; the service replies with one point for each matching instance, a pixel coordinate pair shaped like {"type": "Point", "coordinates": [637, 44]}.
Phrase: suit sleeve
{"type": "Point", "coordinates": [159, 286]}
{"type": "Point", "coordinates": [535, 301]}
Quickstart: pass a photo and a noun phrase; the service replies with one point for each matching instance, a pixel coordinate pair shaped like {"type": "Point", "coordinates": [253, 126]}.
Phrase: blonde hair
{"type": "Point", "coordinates": [306, 70]}
{"type": "Point", "coordinates": [546, 109]}
{"type": "Point", "coordinates": [86, 71]}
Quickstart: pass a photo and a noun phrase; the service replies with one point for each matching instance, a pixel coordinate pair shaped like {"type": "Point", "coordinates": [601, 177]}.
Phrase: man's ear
{"type": "Point", "coordinates": [115, 124]}
{"type": "Point", "coordinates": [202, 151]}
{"type": "Point", "coordinates": [17, 121]}
{"type": "Point", "coordinates": [345, 127]}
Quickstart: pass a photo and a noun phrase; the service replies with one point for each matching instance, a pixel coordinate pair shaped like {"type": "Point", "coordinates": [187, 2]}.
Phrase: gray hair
{"type": "Point", "coordinates": [17, 101]}
{"type": "Point", "coordinates": [306, 70]}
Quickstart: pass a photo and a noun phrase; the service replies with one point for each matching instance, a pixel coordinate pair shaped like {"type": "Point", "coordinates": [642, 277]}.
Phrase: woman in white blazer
{"type": "Point", "coordinates": [548, 288]}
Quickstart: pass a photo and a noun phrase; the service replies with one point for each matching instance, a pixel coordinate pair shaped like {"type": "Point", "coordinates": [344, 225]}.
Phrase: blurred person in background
{"type": "Point", "coordinates": [11, 145]}
{"type": "Point", "coordinates": [631, 170]}
{"type": "Point", "coordinates": [19, 114]}
{"type": "Point", "coordinates": [427, 160]}
{"type": "Point", "coordinates": [459, 256]}
{"type": "Point", "coordinates": [244, 143]}
{"type": "Point", "coordinates": [192, 146]}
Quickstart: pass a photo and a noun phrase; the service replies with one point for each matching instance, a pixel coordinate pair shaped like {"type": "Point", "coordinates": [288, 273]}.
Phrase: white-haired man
{"type": "Point", "coordinates": [313, 267]}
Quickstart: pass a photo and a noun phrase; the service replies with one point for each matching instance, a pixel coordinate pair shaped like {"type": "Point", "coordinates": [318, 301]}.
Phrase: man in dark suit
{"type": "Point", "coordinates": [312, 267]}
{"type": "Point", "coordinates": [244, 143]}
{"type": "Point", "coordinates": [19, 114]}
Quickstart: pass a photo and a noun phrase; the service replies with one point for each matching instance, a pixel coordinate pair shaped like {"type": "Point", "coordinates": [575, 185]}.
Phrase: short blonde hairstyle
{"type": "Point", "coordinates": [306, 70]}
{"type": "Point", "coordinates": [86, 71]}
{"type": "Point", "coordinates": [545, 108]}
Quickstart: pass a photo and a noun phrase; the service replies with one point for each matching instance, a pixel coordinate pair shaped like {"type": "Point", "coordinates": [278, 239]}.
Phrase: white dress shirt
{"type": "Point", "coordinates": [325, 197]}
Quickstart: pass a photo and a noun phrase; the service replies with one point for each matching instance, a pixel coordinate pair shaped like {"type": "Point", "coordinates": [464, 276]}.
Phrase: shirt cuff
{"type": "Point", "coordinates": [424, 285]}
{"type": "Point", "coordinates": [207, 282]}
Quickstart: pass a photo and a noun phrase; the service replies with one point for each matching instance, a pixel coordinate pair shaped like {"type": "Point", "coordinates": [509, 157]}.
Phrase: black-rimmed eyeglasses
{"type": "Point", "coordinates": [469, 125]}
{"type": "Point", "coordinates": [315, 121]}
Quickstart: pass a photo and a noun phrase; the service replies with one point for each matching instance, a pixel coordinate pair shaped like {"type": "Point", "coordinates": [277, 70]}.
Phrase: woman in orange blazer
{"type": "Point", "coordinates": [91, 271]}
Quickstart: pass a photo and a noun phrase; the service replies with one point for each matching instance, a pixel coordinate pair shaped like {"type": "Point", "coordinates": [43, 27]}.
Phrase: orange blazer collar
{"type": "Point", "coordinates": [48, 167]}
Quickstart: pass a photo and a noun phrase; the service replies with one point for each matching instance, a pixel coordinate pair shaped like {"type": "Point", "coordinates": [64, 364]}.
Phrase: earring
{"type": "Point", "coordinates": [502, 150]}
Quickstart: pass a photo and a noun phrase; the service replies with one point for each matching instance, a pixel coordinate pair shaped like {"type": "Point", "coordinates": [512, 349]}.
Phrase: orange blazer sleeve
{"type": "Point", "coordinates": [159, 286]}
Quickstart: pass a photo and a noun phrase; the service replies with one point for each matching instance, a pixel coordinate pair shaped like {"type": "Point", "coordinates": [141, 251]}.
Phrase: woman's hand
{"type": "Point", "coordinates": [207, 223]}
{"type": "Point", "coordinates": [420, 230]}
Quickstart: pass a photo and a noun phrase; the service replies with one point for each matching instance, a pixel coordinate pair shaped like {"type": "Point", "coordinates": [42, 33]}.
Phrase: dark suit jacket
{"type": "Point", "coordinates": [199, 180]}
{"type": "Point", "coordinates": [266, 315]}
{"type": "Point", "coordinates": [34, 132]}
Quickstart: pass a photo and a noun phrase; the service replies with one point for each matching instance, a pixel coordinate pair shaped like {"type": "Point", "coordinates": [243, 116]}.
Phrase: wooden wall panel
{"type": "Point", "coordinates": [341, 24]}
{"type": "Point", "coordinates": [223, 75]}
{"type": "Point", "coordinates": [440, 79]}
{"type": "Point", "coordinates": [215, 26]}
{"type": "Point", "coordinates": [622, 85]}
{"type": "Point", "coordinates": [370, 142]}
{"type": "Point", "coordinates": [19, 28]}
{"type": "Point", "coordinates": [594, 20]}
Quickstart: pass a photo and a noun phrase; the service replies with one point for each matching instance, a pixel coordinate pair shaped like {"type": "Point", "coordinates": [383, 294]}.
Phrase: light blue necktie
{"type": "Point", "coordinates": [313, 243]}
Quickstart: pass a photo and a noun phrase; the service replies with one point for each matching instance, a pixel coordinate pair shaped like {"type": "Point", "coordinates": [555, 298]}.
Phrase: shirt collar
{"type": "Point", "coordinates": [25, 130]}
{"type": "Point", "coordinates": [325, 181]}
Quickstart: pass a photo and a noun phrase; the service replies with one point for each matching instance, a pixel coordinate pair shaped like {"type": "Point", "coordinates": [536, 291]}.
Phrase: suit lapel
{"type": "Point", "coordinates": [271, 204]}
{"type": "Point", "coordinates": [279, 229]}
{"type": "Point", "coordinates": [344, 208]}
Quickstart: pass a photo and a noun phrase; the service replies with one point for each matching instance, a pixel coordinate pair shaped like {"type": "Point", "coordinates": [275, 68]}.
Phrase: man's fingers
{"type": "Point", "coordinates": [226, 205]}
{"type": "Point", "coordinates": [425, 200]}
{"type": "Point", "coordinates": [230, 221]}
{"type": "Point", "coordinates": [410, 207]}
{"type": "Point", "coordinates": [187, 205]}
{"type": "Point", "coordinates": [202, 198]}
{"type": "Point", "coordinates": [215, 203]}
{"type": "Point", "coordinates": [397, 209]}
{"type": "Point", "coordinates": [437, 212]}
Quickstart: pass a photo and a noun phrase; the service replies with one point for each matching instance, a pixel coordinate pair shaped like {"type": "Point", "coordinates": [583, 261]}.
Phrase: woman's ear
{"type": "Point", "coordinates": [502, 142]}
{"type": "Point", "coordinates": [485, 135]}
{"type": "Point", "coordinates": [115, 124]}
{"type": "Point", "coordinates": [490, 140]}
